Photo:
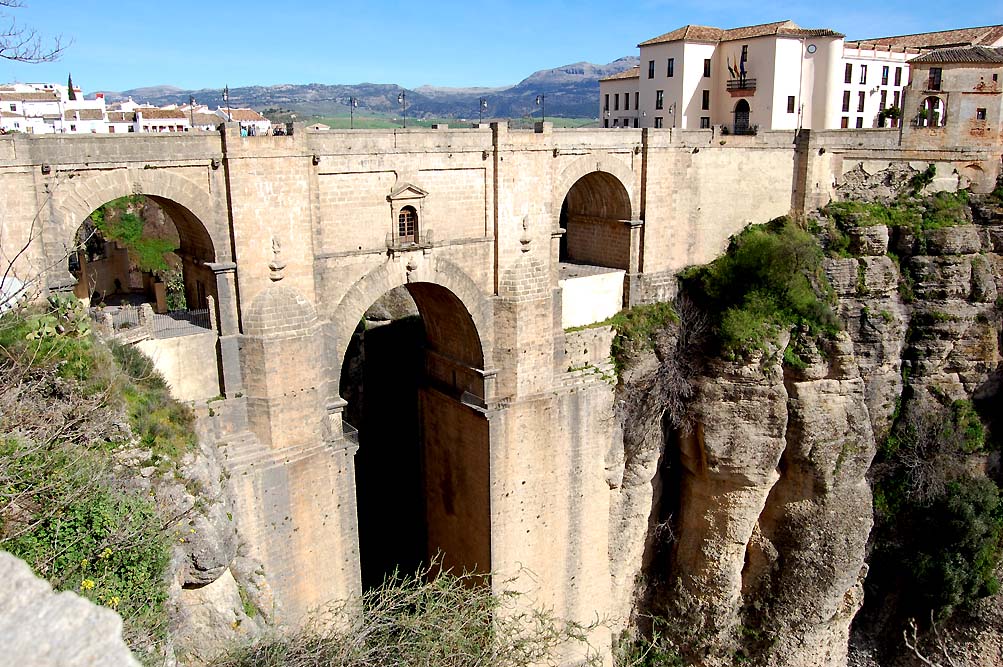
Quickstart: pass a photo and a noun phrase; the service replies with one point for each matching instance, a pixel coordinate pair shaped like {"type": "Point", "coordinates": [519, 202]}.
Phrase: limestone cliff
{"type": "Point", "coordinates": [741, 494]}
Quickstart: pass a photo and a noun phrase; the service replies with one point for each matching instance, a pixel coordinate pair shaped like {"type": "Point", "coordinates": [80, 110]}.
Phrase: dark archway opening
{"type": "Point", "coordinates": [413, 382]}
{"type": "Point", "coordinates": [595, 218]}
{"type": "Point", "coordinates": [742, 113]}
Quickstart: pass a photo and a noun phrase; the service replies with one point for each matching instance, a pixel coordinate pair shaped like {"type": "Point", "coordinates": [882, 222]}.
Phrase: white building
{"type": "Point", "coordinates": [251, 122]}
{"type": "Point", "coordinates": [770, 76]}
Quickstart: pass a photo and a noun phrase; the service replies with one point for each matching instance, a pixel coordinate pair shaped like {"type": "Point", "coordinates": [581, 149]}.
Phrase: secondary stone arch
{"type": "Point", "coordinates": [191, 208]}
{"type": "Point", "coordinates": [589, 164]}
{"type": "Point", "coordinates": [440, 272]}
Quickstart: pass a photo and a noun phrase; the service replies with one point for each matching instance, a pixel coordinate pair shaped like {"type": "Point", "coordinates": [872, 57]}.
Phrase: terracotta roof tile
{"type": "Point", "coordinates": [121, 116]}
{"type": "Point", "coordinates": [152, 113]}
{"type": "Point", "coordinates": [246, 115]}
{"type": "Point", "coordinates": [990, 35]}
{"type": "Point", "coordinates": [699, 33]}
{"type": "Point", "coordinates": [632, 73]}
{"type": "Point", "coordinates": [29, 97]}
{"type": "Point", "coordinates": [962, 54]}
{"type": "Point", "coordinates": [202, 118]}
{"type": "Point", "coordinates": [85, 114]}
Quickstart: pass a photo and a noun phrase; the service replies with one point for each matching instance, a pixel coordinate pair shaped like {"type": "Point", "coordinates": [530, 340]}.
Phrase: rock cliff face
{"type": "Point", "coordinates": [744, 520]}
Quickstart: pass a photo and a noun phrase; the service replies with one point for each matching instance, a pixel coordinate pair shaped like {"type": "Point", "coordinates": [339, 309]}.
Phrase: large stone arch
{"type": "Point", "coordinates": [192, 208]}
{"type": "Point", "coordinates": [436, 271]}
{"type": "Point", "coordinates": [588, 164]}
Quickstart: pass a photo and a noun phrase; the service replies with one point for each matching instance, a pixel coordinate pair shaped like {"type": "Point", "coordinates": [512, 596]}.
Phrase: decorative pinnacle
{"type": "Point", "coordinates": [276, 265]}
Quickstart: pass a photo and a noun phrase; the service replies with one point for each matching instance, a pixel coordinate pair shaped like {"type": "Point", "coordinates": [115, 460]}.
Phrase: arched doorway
{"type": "Point", "coordinates": [595, 217]}
{"type": "Point", "coordinates": [413, 380]}
{"type": "Point", "coordinates": [144, 265]}
{"type": "Point", "coordinates": [931, 113]}
{"type": "Point", "coordinates": [742, 112]}
{"type": "Point", "coordinates": [143, 249]}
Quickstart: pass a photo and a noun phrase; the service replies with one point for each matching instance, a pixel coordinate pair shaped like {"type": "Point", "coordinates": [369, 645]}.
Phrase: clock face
{"type": "Point", "coordinates": [812, 48]}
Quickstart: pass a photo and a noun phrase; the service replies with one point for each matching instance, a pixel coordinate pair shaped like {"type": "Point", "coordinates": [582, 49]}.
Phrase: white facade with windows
{"type": "Point", "coordinates": [773, 76]}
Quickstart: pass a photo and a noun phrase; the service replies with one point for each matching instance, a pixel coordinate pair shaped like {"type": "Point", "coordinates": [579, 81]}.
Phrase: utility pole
{"type": "Point", "coordinates": [226, 100]}
{"type": "Point", "coordinates": [402, 99]}
{"type": "Point", "coordinates": [191, 111]}
{"type": "Point", "coordinates": [482, 105]}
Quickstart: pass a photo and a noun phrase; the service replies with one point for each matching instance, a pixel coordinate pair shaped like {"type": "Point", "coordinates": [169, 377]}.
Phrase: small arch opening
{"type": "Point", "coordinates": [931, 112]}
{"type": "Point", "coordinates": [742, 116]}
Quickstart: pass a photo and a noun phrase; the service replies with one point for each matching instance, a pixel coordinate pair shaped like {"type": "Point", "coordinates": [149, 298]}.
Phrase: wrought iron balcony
{"type": "Point", "coordinates": [743, 83]}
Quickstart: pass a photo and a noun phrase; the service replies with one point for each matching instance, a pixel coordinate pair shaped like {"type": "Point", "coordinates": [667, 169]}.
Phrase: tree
{"type": "Point", "coordinates": [24, 43]}
{"type": "Point", "coordinates": [69, 88]}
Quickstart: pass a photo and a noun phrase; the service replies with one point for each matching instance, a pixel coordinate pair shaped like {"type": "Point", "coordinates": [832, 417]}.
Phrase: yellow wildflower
{"type": "Point", "coordinates": [87, 584]}
{"type": "Point", "coordinates": [106, 553]}
{"type": "Point", "coordinates": [113, 602]}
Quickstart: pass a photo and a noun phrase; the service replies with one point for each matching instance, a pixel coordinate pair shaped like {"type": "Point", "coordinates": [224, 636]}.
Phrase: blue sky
{"type": "Point", "coordinates": [122, 45]}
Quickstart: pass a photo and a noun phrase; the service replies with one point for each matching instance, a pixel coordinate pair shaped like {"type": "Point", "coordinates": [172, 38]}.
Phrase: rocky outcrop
{"type": "Point", "coordinates": [46, 629]}
{"type": "Point", "coordinates": [755, 518]}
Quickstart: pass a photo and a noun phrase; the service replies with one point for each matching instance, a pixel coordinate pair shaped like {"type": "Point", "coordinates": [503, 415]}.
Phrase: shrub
{"type": "Point", "coordinates": [447, 620]}
{"type": "Point", "coordinates": [636, 328]}
{"type": "Point", "coordinates": [771, 278]}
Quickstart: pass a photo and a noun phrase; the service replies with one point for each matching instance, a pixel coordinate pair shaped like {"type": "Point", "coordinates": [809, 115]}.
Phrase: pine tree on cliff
{"type": "Point", "coordinates": [69, 88]}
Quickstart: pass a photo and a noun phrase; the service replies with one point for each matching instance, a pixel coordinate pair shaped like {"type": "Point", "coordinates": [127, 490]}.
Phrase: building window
{"type": "Point", "coordinates": [935, 78]}
{"type": "Point", "coordinates": [860, 121]}
{"type": "Point", "coordinates": [704, 122]}
{"type": "Point", "coordinates": [996, 77]}
{"type": "Point", "coordinates": [616, 122]}
{"type": "Point", "coordinates": [13, 107]}
{"type": "Point", "coordinates": [636, 97]}
{"type": "Point", "coordinates": [658, 121]}
{"type": "Point", "coordinates": [659, 98]}
{"type": "Point", "coordinates": [790, 104]}
{"type": "Point", "coordinates": [705, 100]}
{"type": "Point", "coordinates": [651, 69]}
{"type": "Point", "coordinates": [861, 99]}
{"type": "Point", "coordinates": [626, 101]}
{"type": "Point", "coordinates": [895, 98]}
{"type": "Point", "coordinates": [670, 68]}
{"type": "Point", "coordinates": [605, 106]}
{"type": "Point", "coordinates": [931, 114]}
{"type": "Point", "coordinates": [848, 76]}
{"type": "Point", "coordinates": [706, 66]}
{"type": "Point", "coordinates": [844, 122]}
{"type": "Point", "coordinates": [73, 127]}
{"type": "Point", "coordinates": [980, 114]}
{"type": "Point", "coordinates": [635, 123]}
{"type": "Point", "coordinates": [898, 76]}
{"type": "Point", "coordinates": [132, 128]}
{"type": "Point", "coordinates": [846, 100]}
{"type": "Point", "coordinates": [884, 100]}
{"type": "Point", "coordinates": [863, 74]}
{"type": "Point", "coordinates": [407, 225]}
{"type": "Point", "coordinates": [616, 102]}
{"type": "Point", "coordinates": [111, 129]}
{"type": "Point", "coordinates": [605, 122]}
{"type": "Point", "coordinates": [884, 75]}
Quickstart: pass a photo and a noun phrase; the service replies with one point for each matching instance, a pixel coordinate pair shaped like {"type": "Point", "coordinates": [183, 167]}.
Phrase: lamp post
{"type": "Point", "coordinates": [226, 101]}
{"type": "Point", "coordinates": [402, 100]}
{"type": "Point", "coordinates": [482, 104]}
{"type": "Point", "coordinates": [191, 111]}
{"type": "Point", "coordinates": [672, 110]}
{"type": "Point", "coordinates": [541, 101]}
{"type": "Point", "coordinates": [352, 103]}
{"type": "Point", "coordinates": [606, 117]}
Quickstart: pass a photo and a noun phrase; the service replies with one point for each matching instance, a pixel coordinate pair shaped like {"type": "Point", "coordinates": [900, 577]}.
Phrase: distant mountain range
{"type": "Point", "coordinates": [571, 91]}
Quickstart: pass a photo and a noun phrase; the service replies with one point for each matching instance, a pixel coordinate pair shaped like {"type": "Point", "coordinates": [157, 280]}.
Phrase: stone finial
{"type": "Point", "coordinates": [276, 265]}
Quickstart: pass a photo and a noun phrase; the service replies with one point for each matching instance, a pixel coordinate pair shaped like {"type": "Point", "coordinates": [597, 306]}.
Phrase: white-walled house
{"type": "Point", "coordinates": [620, 99]}
{"type": "Point", "coordinates": [250, 120]}
{"type": "Point", "coordinates": [154, 119]}
{"type": "Point", "coordinates": [772, 76]}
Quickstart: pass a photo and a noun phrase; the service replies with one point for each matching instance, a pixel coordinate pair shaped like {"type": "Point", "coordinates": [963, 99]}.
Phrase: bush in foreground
{"type": "Point", "coordinates": [411, 620]}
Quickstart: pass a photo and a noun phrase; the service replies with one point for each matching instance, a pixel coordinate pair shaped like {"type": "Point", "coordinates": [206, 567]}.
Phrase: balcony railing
{"type": "Point", "coordinates": [739, 129]}
{"type": "Point", "coordinates": [744, 83]}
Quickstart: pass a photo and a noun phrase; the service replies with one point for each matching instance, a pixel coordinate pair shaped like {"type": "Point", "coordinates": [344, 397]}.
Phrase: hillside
{"type": "Point", "coordinates": [571, 91]}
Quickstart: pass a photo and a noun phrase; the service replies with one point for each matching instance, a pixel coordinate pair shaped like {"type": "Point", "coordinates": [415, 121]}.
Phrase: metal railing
{"type": "Point", "coordinates": [181, 323]}
{"type": "Point", "coordinates": [744, 83]}
{"type": "Point", "coordinates": [740, 129]}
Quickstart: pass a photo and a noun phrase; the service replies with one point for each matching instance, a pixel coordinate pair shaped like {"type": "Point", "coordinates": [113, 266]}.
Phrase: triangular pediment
{"type": "Point", "coordinates": [406, 191]}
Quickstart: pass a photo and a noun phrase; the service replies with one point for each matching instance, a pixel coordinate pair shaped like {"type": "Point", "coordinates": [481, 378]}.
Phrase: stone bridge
{"type": "Point", "coordinates": [509, 242]}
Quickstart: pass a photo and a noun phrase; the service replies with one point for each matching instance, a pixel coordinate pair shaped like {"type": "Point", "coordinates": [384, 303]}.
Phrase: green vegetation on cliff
{"type": "Point", "coordinates": [771, 278]}
{"type": "Point", "coordinates": [74, 416]}
{"type": "Point", "coordinates": [118, 221]}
